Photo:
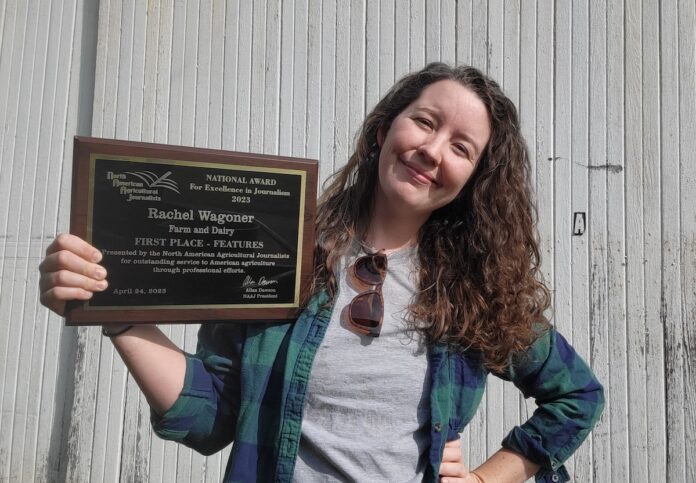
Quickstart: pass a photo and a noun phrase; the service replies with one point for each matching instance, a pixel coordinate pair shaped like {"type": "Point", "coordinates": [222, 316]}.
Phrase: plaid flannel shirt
{"type": "Point", "coordinates": [247, 384]}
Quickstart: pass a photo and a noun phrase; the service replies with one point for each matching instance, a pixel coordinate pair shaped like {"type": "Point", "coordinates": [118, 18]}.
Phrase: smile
{"type": "Point", "coordinates": [418, 175]}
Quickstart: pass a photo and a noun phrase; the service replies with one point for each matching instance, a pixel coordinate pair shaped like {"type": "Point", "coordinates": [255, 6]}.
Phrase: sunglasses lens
{"type": "Point", "coordinates": [366, 312]}
{"type": "Point", "coordinates": [371, 269]}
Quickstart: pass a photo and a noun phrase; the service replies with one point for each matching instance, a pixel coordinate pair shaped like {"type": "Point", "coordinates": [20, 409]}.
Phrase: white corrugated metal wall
{"type": "Point", "coordinates": [606, 92]}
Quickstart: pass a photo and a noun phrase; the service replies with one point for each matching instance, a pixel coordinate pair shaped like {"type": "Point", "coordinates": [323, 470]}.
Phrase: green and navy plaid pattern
{"type": "Point", "coordinates": [247, 384]}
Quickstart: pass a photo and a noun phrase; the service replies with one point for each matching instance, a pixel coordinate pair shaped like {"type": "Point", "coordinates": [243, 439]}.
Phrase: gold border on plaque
{"type": "Point", "coordinates": [204, 164]}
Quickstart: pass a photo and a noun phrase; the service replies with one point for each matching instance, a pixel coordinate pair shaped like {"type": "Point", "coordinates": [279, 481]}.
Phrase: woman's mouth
{"type": "Point", "coordinates": [418, 175]}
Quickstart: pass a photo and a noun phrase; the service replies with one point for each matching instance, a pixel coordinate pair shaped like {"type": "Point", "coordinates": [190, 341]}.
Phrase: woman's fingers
{"type": "Point", "coordinates": [67, 261]}
{"type": "Point", "coordinates": [68, 279]}
{"type": "Point", "coordinates": [71, 253]}
{"type": "Point", "coordinates": [70, 272]}
{"type": "Point", "coordinates": [452, 468]}
{"type": "Point", "coordinates": [54, 295]}
{"type": "Point", "coordinates": [457, 473]}
{"type": "Point", "coordinates": [455, 443]}
{"type": "Point", "coordinates": [453, 451]}
{"type": "Point", "coordinates": [56, 298]}
{"type": "Point", "coordinates": [76, 245]}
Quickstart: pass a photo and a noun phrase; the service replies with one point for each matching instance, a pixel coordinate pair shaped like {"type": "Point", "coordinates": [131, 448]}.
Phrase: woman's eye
{"type": "Point", "coordinates": [461, 149]}
{"type": "Point", "coordinates": [424, 122]}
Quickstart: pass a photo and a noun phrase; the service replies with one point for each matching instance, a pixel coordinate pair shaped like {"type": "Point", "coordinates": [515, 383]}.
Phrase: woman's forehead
{"type": "Point", "coordinates": [451, 94]}
{"type": "Point", "coordinates": [454, 103]}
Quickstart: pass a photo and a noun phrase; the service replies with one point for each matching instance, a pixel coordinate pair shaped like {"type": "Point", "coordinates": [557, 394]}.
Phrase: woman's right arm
{"type": "Point", "coordinates": [71, 271]}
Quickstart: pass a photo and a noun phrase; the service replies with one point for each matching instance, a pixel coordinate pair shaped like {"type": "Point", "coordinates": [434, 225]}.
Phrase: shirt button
{"type": "Point", "coordinates": [555, 478]}
{"type": "Point", "coordinates": [437, 427]}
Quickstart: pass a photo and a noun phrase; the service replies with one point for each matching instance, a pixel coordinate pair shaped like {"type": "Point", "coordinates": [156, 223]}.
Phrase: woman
{"type": "Point", "coordinates": [425, 281]}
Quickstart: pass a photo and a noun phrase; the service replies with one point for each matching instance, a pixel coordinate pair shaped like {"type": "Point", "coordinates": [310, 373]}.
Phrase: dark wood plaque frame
{"type": "Point", "coordinates": [86, 149]}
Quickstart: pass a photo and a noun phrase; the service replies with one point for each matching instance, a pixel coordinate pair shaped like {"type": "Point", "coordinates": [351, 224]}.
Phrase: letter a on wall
{"type": "Point", "coordinates": [578, 223]}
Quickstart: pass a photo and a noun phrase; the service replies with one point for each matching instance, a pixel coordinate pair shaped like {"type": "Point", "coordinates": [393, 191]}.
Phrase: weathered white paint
{"type": "Point", "coordinates": [616, 246]}
{"type": "Point", "coordinates": [495, 402]}
{"type": "Point", "coordinates": [513, 402]}
{"type": "Point", "coordinates": [606, 92]}
{"type": "Point", "coordinates": [652, 233]}
{"type": "Point", "coordinates": [687, 216]}
{"type": "Point", "coordinates": [635, 302]}
{"type": "Point", "coordinates": [559, 163]}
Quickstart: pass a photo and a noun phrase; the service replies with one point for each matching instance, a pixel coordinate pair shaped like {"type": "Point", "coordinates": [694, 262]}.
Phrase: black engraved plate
{"type": "Point", "coordinates": [183, 234]}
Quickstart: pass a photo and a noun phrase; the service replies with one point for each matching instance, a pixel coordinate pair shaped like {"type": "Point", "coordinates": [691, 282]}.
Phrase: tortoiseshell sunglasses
{"type": "Point", "coordinates": [366, 311]}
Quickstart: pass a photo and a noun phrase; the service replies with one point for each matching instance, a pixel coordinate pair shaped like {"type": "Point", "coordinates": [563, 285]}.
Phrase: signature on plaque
{"type": "Point", "coordinates": [261, 282]}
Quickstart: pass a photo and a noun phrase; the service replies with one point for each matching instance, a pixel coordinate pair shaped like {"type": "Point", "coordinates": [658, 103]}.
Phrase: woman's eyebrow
{"type": "Point", "coordinates": [429, 110]}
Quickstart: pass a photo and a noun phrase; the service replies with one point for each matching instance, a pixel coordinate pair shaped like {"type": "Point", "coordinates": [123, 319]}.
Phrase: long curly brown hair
{"type": "Point", "coordinates": [479, 280]}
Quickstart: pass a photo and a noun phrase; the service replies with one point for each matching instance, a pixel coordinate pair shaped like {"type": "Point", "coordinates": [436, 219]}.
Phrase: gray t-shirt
{"type": "Point", "coordinates": [367, 411]}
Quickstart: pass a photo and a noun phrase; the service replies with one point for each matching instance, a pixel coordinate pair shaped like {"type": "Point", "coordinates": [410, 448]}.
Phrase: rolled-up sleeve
{"type": "Point", "coordinates": [570, 400]}
{"type": "Point", "coordinates": [204, 415]}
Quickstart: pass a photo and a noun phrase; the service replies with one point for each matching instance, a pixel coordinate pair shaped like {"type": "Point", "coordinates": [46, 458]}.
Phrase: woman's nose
{"type": "Point", "coordinates": [431, 149]}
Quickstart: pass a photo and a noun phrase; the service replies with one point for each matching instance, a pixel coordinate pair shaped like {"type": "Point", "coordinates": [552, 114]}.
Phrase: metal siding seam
{"type": "Point", "coordinates": [328, 92]}
{"type": "Point", "coordinates": [655, 382]}
{"type": "Point", "coordinates": [447, 26]}
{"type": "Point", "coordinates": [670, 240]}
{"type": "Point", "coordinates": [687, 177]}
{"type": "Point", "coordinates": [23, 240]}
{"type": "Point", "coordinates": [495, 388]}
{"type": "Point", "coordinates": [372, 52]}
{"type": "Point", "coordinates": [579, 196]}
{"type": "Point", "coordinates": [402, 38]}
{"type": "Point", "coordinates": [229, 99]}
{"type": "Point", "coordinates": [509, 79]}
{"type": "Point", "coordinates": [246, 39]}
{"type": "Point", "coordinates": [432, 31]}
{"type": "Point", "coordinates": [358, 68]}
{"type": "Point", "coordinates": [285, 144]}
{"type": "Point", "coordinates": [8, 355]}
{"type": "Point", "coordinates": [635, 300]}
{"type": "Point", "coordinates": [258, 74]}
{"type": "Point", "coordinates": [417, 35]}
{"type": "Point", "coordinates": [386, 46]}
{"type": "Point", "coordinates": [313, 90]}
{"type": "Point", "coordinates": [616, 249]}
{"type": "Point", "coordinates": [342, 138]}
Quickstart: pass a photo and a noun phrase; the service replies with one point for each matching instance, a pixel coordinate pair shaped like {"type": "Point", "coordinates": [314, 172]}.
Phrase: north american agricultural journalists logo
{"type": "Point", "coordinates": [142, 185]}
{"type": "Point", "coordinates": [154, 181]}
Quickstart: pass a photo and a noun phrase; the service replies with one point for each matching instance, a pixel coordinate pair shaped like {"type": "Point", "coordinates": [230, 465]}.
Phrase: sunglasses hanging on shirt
{"type": "Point", "coordinates": [366, 310]}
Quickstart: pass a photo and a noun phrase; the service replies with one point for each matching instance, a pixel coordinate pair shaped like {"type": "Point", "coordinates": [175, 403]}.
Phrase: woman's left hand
{"type": "Point", "coordinates": [452, 468]}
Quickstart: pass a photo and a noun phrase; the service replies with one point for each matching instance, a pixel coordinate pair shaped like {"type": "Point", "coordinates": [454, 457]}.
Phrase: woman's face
{"type": "Point", "coordinates": [431, 149]}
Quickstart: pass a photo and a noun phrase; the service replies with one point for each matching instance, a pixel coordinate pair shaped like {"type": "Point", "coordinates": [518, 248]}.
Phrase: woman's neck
{"type": "Point", "coordinates": [388, 244]}
{"type": "Point", "coordinates": [389, 231]}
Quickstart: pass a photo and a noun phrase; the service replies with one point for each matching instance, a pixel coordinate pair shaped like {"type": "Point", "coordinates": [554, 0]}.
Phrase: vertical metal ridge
{"type": "Point", "coordinates": [271, 125]}
{"type": "Point", "coordinates": [686, 13]}
{"type": "Point", "coordinates": [655, 366]}
{"type": "Point", "coordinates": [8, 184]}
{"type": "Point", "coordinates": [313, 87]}
{"type": "Point", "coordinates": [257, 78]}
{"type": "Point", "coordinates": [670, 226]}
{"type": "Point", "coordinates": [26, 124]}
{"type": "Point", "coordinates": [328, 91]}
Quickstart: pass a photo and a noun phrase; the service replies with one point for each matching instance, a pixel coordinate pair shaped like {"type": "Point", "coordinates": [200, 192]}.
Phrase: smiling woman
{"type": "Point", "coordinates": [426, 280]}
{"type": "Point", "coordinates": [476, 234]}
{"type": "Point", "coordinates": [429, 151]}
